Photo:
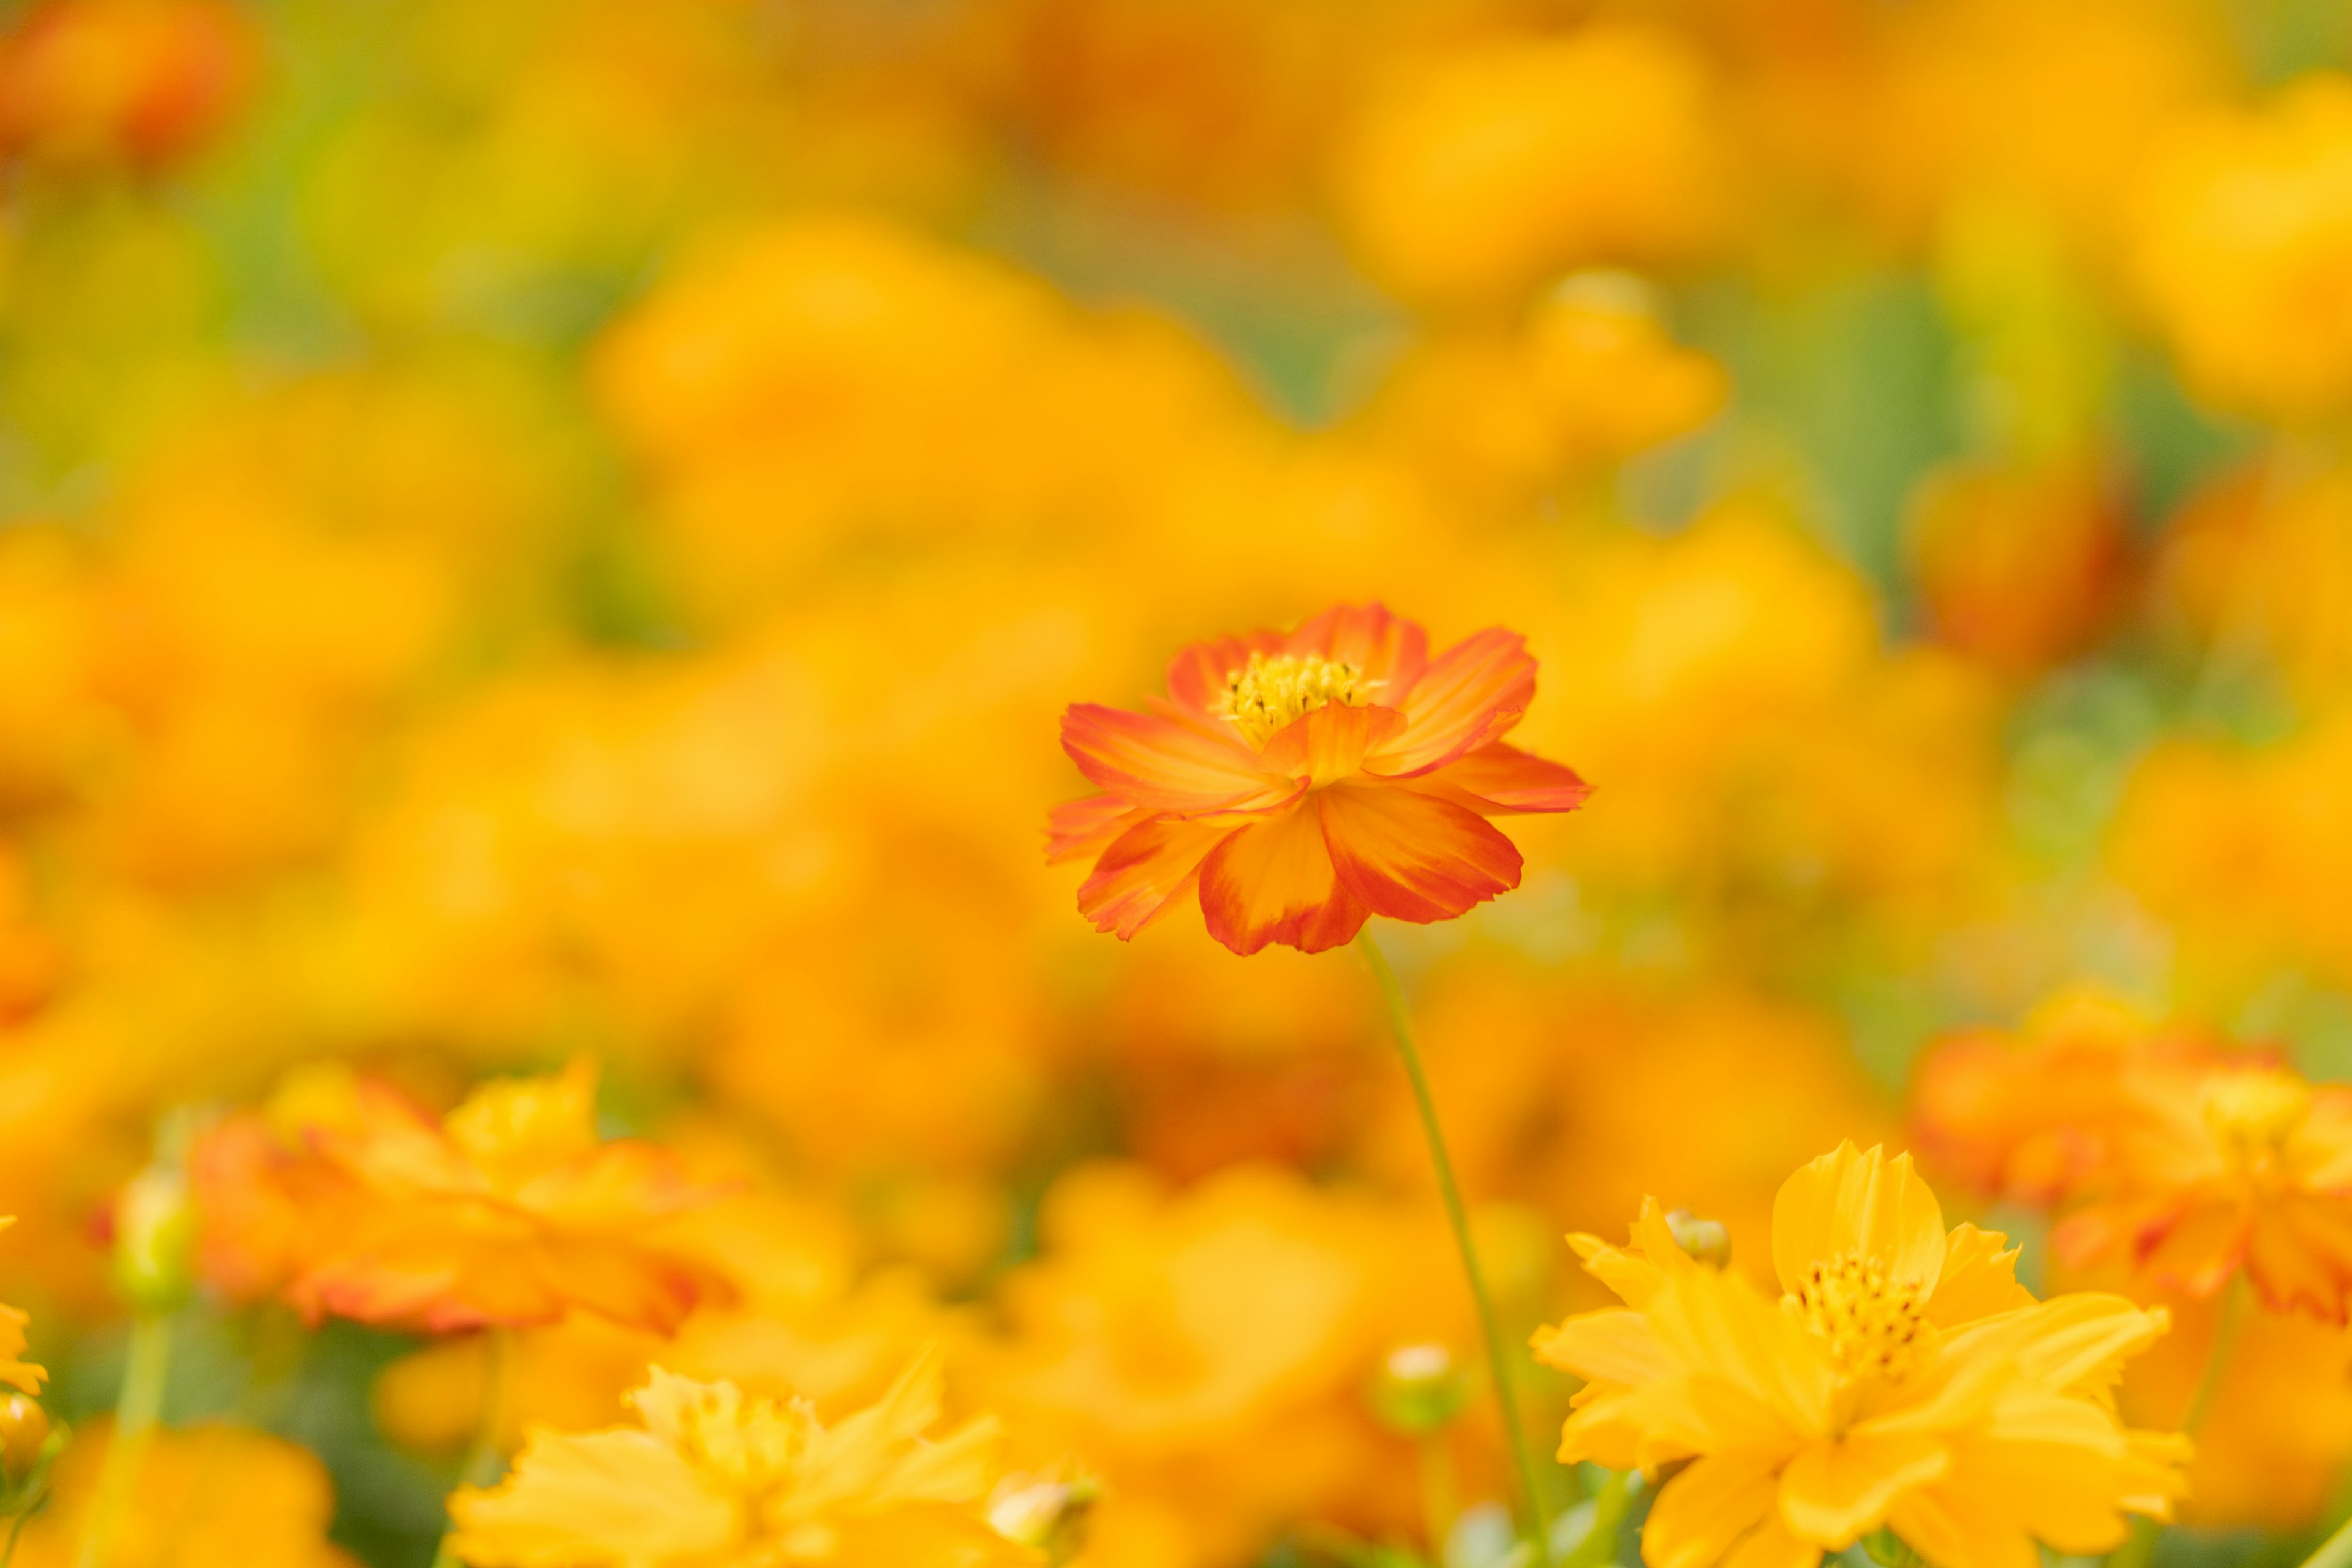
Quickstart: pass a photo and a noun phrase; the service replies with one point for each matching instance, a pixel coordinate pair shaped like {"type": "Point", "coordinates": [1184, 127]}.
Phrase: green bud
{"type": "Point", "coordinates": [1047, 1511]}
{"type": "Point", "coordinates": [24, 1437]}
{"type": "Point", "coordinates": [155, 1239]}
{"type": "Point", "coordinates": [1417, 1388]}
{"type": "Point", "coordinates": [1705, 1239]}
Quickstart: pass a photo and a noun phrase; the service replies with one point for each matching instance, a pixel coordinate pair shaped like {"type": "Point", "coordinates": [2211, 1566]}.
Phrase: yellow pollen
{"type": "Point", "coordinates": [2254, 1111]}
{"type": "Point", "coordinates": [1873, 1324]}
{"type": "Point", "coordinates": [1273, 692]}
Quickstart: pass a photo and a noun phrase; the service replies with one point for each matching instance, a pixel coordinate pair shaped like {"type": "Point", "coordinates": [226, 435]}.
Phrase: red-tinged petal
{"type": "Point", "coordinates": [1389, 653]}
{"type": "Point", "coordinates": [1412, 856]}
{"type": "Point", "coordinates": [1502, 780]}
{"type": "Point", "coordinates": [1149, 759]}
{"type": "Point", "coordinates": [1469, 697]}
{"type": "Point", "coordinates": [1328, 744]}
{"type": "Point", "coordinates": [1147, 871]}
{"type": "Point", "coordinates": [1081, 828]}
{"type": "Point", "coordinates": [1272, 881]}
{"type": "Point", "coordinates": [1197, 676]}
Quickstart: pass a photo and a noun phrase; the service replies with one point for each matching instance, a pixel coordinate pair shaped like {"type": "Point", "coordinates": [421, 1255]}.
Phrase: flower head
{"type": "Point", "coordinates": [508, 1211]}
{"type": "Point", "coordinates": [2185, 1160]}
{"type": "Point", "coordinates": [17, 1374]}
{"type": "Point", "coordinates": [1902, 1380]}
{"type": "Point", "coordinates": [714, 1479]}
{"type": "Point", "coordinates": [1303, 782]}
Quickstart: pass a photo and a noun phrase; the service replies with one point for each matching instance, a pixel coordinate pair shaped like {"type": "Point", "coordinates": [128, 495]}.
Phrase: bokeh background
{"type": "Point", "coordinates": [534, 528]}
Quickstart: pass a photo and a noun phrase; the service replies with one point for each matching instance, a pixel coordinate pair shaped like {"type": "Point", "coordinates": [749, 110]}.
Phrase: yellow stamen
{"type": "Point", "coordinates": [1873, 1323]}
{"type": "Point", "coordinates": [2254, 1111]}
{"type": "Point", "coordinates": [1273, 693]}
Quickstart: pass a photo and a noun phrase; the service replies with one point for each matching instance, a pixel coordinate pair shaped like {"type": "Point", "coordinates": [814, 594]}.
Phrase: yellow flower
{"type": "Point", "coordinates": [1904, 1379]}
{"type": "Point", "coordinates": [716, 1479]}
{"type": "Point", "coordinates": [19, 1375]}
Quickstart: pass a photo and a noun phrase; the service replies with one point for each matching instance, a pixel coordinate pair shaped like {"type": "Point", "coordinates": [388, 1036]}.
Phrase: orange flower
{"type": "Point", "coordinates": [1304, 782]}
{"type": "Point", "coordinates": [2187, 1160]}
{"type": "Point", "coordinates": [507, 1212]}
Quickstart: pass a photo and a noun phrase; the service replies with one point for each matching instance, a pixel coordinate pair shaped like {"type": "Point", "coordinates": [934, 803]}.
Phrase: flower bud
{"type": "Point", "coordinates": [24, 1433]}
{"type": "Point", "coordinates": [155, 1239]}
{"type": "Point", "coordinates": [1706, 1240]}
{"type": "Point", "coordinates": [1418, 1389]}
{"type": "Point", "coordinates": [1046, 1511]}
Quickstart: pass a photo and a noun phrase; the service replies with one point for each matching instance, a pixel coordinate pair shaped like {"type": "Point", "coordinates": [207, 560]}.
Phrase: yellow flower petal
{"type": "Point", "coordinates": [597, 1498]}
{"type": "Point", "coordinates": [1978, 1279]}
{"type": "Point", "coordinates": [1836, 1491]}
{"type": "Point", "coordinates": [1704, 1511]}
{"type": "Point", "coordinates": [1850, 1202]}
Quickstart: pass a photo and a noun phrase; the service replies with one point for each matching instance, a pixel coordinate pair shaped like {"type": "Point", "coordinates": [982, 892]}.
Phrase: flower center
{"type": "Point", "coordinates": [1272, 693]}
{"type": "Point", "coordinates": [2254, 1111]}
{"type": "Point", "coordinates": [1871, 1322]}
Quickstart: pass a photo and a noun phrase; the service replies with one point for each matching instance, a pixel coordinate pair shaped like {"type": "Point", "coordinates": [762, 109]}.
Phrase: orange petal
{"type": "Point", "coordinates": [1147, 871]}
{"type": "Point", "coordinates": [1469, 697]}
{"type": "Point", "coordinates": [1412, 856]}
{"type": "Point", "coordinates": [1080, 827]}
{"type": "Point", "coordinates": [1329, 744]}
{"type": "Point", "coordinates": [1197, 676]}
{"type": "Point", "coordinates": [1389, 652]}
{"type": "Point", "coordinates": [1501, 780]}
{"type": "Point", "coordinates": [2198, 1248]}
{"type": "Point", "coordinates": [1151, 760]}
{"type": "Point", "coordinates": [1274, 881]}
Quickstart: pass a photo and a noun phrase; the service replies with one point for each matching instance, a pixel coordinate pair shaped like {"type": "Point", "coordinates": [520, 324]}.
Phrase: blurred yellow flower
{"type": "Point", "coordinates": [1904, 1379]}
{"type": "Point", "coordinates": [212, 1496]}
{"type": "Point", "coordinates": [710, 1477]}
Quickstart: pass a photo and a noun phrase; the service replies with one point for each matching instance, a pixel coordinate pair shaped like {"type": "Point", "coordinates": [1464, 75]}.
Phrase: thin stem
{"type": "Point", "coordinates": [2232, 1318]}
{"type": "Point", "coordinates": [1499, 1355]}
{"type": "Point", "coordinates": [146, 1367]}
{"type": "Point", "coordinates": [1599, 1543]}
{"type": "Point", "coordinates": [481, 1464]}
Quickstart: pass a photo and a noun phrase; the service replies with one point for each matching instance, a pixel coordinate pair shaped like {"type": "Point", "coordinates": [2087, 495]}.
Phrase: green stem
{"type": "Point", "coordinates": [1600, 1544]}
{"type": "Point", "coordinates": [481, 1464]}
{"type": "Point", "coordinates": [1499, 1354]}
{"type": "Point", "coordinates": [2216, 1360]}
{"type": "Point", "coordinates": [146, 1367]}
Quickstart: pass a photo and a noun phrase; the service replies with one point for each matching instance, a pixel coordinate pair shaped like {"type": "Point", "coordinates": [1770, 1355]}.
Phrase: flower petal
{"type": "Point", "coordinates": [1839, 1489]}
{"type": "Point", "coordinates": [1770, 1545]}
{"type": "Point", "coordinates": [1954, 1528]}
{"type": "Point", "coordinates": [1389, 652]}
{"type": "Point", "coordinates": [1501, 780]}
{"type": "Point", "coordinates": [1080, 827]}
{"type": "Point", "coordinates": [1412, 856]}
{"type": "Point", "coordinates": [1704, 1511]}
{"type": "Point", "coordinates": [1155, 761]}
{"type": "Point", "coordinates": [1849, 1201]}
{"type": "Point", "coordinates": [1978, 1279]}
{"type": "Point", "coordinates": [600, 1496]}
{"type": "Point", "coordinates": [1611, 1345]}
{"type": "Point", "coordinates": [1328, 744]}
{"type": "Point", "coordinates": [1147, 872]}
{"type": "Point", "coordinates": [1272, 881]}
{"type": "Point", "coordinates": [1469, 697]}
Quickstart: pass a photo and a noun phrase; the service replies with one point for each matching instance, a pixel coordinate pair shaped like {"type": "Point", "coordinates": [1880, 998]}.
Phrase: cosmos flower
{"type": "Point", "coordinates": [1304, 782]}
{"type": "Point", "coordinates": [508, 1212]}
{"type": "Point", "coordinates": [2181, 1158]}
{"type": "Point", "coordinates": [1904, 1379]}
{"type": "Point", "coordinates": [716, 1479]}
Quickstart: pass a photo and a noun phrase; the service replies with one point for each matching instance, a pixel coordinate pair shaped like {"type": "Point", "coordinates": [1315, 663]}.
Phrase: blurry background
{"type": "Point", "coordinates": [533, 527]}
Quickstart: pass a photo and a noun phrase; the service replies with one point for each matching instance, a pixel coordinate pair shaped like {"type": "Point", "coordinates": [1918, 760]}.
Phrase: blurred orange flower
{"type": "Point", "coordinates": [1304, 782]}
{"type": "Point", "coordinates": [2188, 1160]}
{"type": "Point", "coordinates": [712, 1478]}
{"type": "Point", "coordinates": [144, 80]}
{"type": "Point", "coordinates": [1904, 1379]}
{"type": "Point", "coordinates": [508, 1212]}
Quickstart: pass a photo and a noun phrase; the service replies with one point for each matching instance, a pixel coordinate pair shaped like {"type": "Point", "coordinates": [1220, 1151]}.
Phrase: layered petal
{"type": "Point", "coordinates": [1273, 881]}
{"type": "Point", "coordinates": [1704, 1511]}
{"type": "Point", "coordinates": [1328, 744]}
{"type": "Point", "coordinates": [1391, 651]}
{"type": "Point", "coordinates": [1148, 872]}
{"type": "Point", "coordinates": [619, 1498]}
{"type": "Point", "coordinates": [1855, 1202]}
{"type": "Point", "coordinates": [1155, 761]}
{"type": "Point", "coordinates": [1839, 1489]}
{"type": "Point", "coordinates": [1412, 856]}
{"type": "Point", "coordinates": [1978, 1279]}
{"type": "Point", "coordinates": [1470, 696]}
{"type": "Point", "coordinates": [1500, 780]}
{"type": "Point", "coordinates": [1080, 827]}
